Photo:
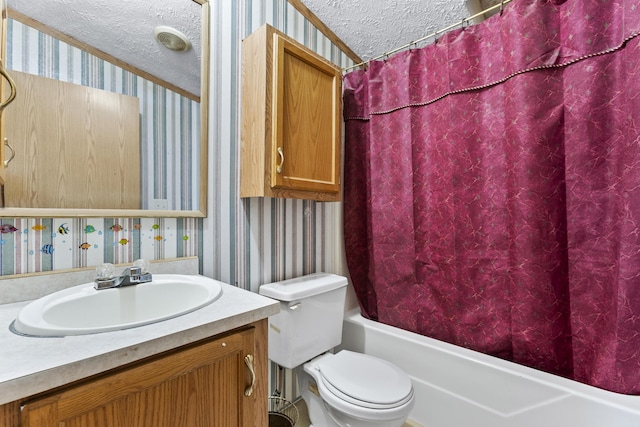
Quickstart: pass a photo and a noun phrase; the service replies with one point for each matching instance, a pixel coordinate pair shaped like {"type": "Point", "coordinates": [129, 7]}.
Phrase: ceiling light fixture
{"type": "Point", "coordinates": [172, 38]}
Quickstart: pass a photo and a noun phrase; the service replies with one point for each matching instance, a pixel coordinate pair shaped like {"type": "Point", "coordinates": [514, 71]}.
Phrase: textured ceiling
{"type": "Point", "coordinates": [124, 29]}
{"type": "Point", "coordinates": [373, 27]}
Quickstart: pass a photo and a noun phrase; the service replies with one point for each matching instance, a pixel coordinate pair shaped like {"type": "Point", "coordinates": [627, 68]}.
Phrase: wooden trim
{"type": "Point", "coordinates": [98, 213]}
{"type": "Point", "coordinates": [14, 14]}
{"type": "Point", "coordinates": [297, 4]}
{"type": "Point", "coordinates": [3, 95]}
{"type": "Point", "coordinates": [205, 69]}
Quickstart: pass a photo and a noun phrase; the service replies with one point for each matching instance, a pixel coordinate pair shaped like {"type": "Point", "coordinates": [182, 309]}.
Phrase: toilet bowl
{"type": "Point", "coordinates": [344, 389]}
{"type": "Point", "coordinates": [355, 390]}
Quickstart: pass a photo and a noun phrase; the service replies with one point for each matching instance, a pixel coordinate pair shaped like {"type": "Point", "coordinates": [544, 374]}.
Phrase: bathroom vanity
{"type": "Point", "coordinates": [208, 367]}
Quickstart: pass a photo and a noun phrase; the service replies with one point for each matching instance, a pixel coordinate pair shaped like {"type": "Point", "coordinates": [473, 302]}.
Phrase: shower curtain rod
{"type": "Point", "coordinates": [434, 34]}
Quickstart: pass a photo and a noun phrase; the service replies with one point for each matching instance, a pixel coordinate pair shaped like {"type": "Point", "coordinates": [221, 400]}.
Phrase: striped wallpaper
{"type": "Point", "coordinates": [253, 241]}
{"type": "Point", "coordinates": [244, 242]}
{"type": "Point", "coordinates": [256, 240]}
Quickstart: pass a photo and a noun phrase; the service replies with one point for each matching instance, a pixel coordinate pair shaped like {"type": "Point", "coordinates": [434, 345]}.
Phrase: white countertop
{"type": "Point", "coordinates": [30, 365]}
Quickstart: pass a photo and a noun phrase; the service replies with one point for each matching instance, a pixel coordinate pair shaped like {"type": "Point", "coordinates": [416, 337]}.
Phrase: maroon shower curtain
{"type": "Point", "coordinates": [492, 188]}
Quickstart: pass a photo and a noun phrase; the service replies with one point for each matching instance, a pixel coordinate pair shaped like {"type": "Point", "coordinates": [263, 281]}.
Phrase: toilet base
{"type": "Point", "coordinates": [318, 415]}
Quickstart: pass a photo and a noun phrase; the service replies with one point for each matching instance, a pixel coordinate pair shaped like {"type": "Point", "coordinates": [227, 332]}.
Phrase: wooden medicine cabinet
{"type": "Point", "coordinates": [291, 120]}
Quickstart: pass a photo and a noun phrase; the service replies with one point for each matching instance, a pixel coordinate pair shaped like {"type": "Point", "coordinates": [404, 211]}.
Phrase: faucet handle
{"type": "Point", "coordinates": [140, 271]}
{"type": "Point", "coordinates": [142, 264]}
{"type": "Point", "coordinates": [105, 278]}
{"type": "Point", "coordinates": [104, 271]}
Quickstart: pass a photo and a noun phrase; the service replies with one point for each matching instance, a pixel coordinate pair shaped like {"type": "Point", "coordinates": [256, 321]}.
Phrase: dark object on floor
{"type": "Point", "coordinates": [282, 413]}
{"type": "Point", "coordinates": [279, 420]}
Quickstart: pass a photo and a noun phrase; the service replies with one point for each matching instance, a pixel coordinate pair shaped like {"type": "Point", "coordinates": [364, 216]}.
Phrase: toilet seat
{"type": "Point", "coordinates": [365, 381]}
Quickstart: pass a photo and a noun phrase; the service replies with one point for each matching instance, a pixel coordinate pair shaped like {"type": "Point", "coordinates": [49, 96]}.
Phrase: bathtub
{"type": "Point", "coordinates": [457, 387]}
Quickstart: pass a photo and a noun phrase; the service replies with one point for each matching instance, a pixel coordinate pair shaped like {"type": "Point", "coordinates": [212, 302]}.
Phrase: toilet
{"type": "Point", "coordinates": [345, 389]}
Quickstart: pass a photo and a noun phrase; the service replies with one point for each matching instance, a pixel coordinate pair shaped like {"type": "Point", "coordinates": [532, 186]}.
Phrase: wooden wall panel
{"type": "Point", "coordinates": [76, 147]}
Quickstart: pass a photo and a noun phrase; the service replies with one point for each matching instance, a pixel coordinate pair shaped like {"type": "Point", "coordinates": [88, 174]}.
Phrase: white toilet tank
{"type": "Point", "coordinates": [310, 318]}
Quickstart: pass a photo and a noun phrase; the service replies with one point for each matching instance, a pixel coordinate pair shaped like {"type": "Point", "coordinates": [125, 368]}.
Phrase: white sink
{"type": "Point", "coordinates": [83, 310]}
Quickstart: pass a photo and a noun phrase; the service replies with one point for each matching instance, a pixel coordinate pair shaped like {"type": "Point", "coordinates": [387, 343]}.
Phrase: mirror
{"type": "Point", "coordinates": [168, 178]}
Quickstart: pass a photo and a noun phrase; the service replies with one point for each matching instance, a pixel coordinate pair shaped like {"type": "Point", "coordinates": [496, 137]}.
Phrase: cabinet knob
{"type": "Point", "coordinates": [279, 168]}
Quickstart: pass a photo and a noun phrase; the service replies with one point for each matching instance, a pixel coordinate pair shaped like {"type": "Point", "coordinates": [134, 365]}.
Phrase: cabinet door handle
{"type": "Point", "coordinates": [248, 360]}
{"type": "Point", "coordinates": [13, 152]}
{"type": "Point", "coordinates": [12, 87]}
{"type": "Point", "coordinates": [279, 168]}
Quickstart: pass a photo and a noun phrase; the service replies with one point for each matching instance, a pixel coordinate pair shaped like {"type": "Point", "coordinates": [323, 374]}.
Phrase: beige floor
{"type": "Point", "coordinates": [303, 421]}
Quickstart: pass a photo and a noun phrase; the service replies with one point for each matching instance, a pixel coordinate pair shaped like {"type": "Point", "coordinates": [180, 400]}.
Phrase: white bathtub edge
{"type": "Point", "coordinates": [551, 395]}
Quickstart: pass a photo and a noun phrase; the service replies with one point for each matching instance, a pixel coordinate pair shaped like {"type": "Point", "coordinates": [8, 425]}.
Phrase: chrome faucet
{"type": "Point", "coordinates": [134, 275]}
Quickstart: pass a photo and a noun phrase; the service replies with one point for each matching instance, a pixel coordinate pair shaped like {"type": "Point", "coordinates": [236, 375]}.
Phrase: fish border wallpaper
{"type": "Point", "coordinates": [46, 244]}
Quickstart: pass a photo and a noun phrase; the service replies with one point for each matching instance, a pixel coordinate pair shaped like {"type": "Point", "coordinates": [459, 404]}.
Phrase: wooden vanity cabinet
{"type": "Point", "coordinates": [201, 385]}
{"type": "Point", "coordinates": [291, 120]}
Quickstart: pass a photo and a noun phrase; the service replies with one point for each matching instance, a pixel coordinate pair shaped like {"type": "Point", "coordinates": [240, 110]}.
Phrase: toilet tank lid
{"type": "Point", "coordinates": [303, 286]}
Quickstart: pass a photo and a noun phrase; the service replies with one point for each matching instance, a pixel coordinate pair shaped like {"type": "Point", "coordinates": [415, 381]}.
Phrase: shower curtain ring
{"type": "Point", "coordinates": [462, 23]}
{"type": "Point", "coordinates": [501, 7]}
